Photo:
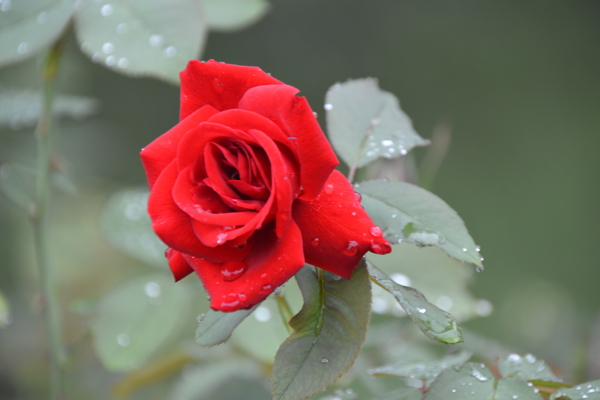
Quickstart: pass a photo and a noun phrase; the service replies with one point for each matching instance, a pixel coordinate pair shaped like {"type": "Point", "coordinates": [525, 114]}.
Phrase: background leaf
{"type": "Point", "coordinates": [142, 37]}
{"type": "Point", "coordinates": [435, 323]}
{"type": "Point", "coordinates": [526, 368]}
{"type": "Point", "coordinates": [5, 316]}
{"type": "Point", "coordinates": [27, 27]}
{"type": "Point", "coordinates": [17, 182]}
{"type": "Point", "coordinates": [215, 327]}
{"type": "Point", "coordinates": [229, 15]}
{"type": "Point", "coordinates": [328, 333]}
{"type": "Point", "coordinates": [423, 370]}
{"type": "Point", "coordinates": [135, 319]}
{"type": "Point", "coordinates": [584, 391]}
{"type": "Point", "coordinates": [409, 213]}
{"type": "Point", "coordinates": [403, 393]}
{"type": "Point", "coordinates": [365, 123]}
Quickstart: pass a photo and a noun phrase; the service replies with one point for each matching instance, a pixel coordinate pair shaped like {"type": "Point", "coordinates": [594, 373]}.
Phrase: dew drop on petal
{"type": "Point", "coordinates": [376, 231]}
{"type": "Point", "coordinates": [232, 270]}
{"type": "Point", "coordinates": [328, 189]}
{"type": "Point", "coordinates": [242, 297]}
{"type": "Point", "coordinates": [263, 276]}
{"type": "Point", "coordinates": [315, 241]}
{"type": "Point", "coordinates": [358, 196]}
{"type": "Point", "coordinates": [352, 248]}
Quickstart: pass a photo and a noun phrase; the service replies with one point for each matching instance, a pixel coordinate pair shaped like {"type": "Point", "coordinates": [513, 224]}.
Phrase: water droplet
{"type": "Point", "coordinates": [221, 237]}
{"type": "Point", "coordinates": [464, 249]}
{"type": "Point", "coordinates": [478, 248]}
{"type": "Point", "coordinates": [401, 279]}
{"type": "Point", "coordinates": [242, 297]}
{"type": "Point", "coordinates": [315, 241]}
{"type": "Point", "coordinates": [5, 5]}
{"type": "Point", "coordinates": [110, 61]}
{"type": "Point", "coordinates": [232, 270]}
{"type": "Point", "coordinates": [106, 10]}
{"type": "Point", "coordinates": [530, 358]}
{"type": "Point", "coordinates": [266, 287]}
{"type": "Point", "coordinates": [122, 28]}
{"type": "Point", "coordinates": [358, 196]}
{"type": "Point", "coordinates": [515, 396]}
{"type": "Point", "coordinates": [479, 268]}
{"type": "Point", "coordinates": [324, 360]}
{"type": "Point", "coordinates": [230, 301]}
{"type": "Point", "coordinates": [263, 276]}
{"type": "Point", "coordinates": [421, 310]}
{"type": "Point", "coordinates": [96, 57]}
{"type": "Point", "coordinates": [353, 213]}
{"type": "Point", "coordinates": [200, 318]}
{"type": "Point", "coordinates": [328, 107]}
{"type": "Point", "coordinates": [403, 151]}
{"type": "Point", "coordinates": [376, 231]}
{"type": "Point", "coordinates": [108, 48]}
{"type": "Point", "coordinates": [328, 189]}
{"type": "Point", "coordinates": [262, 314]}
{"type": "Point", "coordinates": [42, 17]}
{"type": "Point", "coordinates": [514, 357]}
{"type": "Point", "coordinates": [315, 114]}
{"type": "Point", "coordinates": [352, 248]}
{"type": "Point", "coordinates": [123, 339]}
{"type": "Point", "coordinates": [23, 48]}
{"type": "Point", "coordinates": [170, 51]}
{"type": "Point", "coordinates": [123, 62]}
{"type": "Point", "coordinates": [453, 390]}
{"type": "Point", "coordinates": [156, 40]}
{"type": "Point", "coordinates": [380, 248]}
{"type": "Point", "coordinates": [152, 289]}
{"type": "Point", "coordinates": [387, 143]}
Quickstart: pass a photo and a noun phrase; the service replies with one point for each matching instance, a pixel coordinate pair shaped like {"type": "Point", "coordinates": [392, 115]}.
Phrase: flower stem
{"type": "Point", "coordinates": [285, 311]}
{"type": "Point", "coordinates": [39, 220]}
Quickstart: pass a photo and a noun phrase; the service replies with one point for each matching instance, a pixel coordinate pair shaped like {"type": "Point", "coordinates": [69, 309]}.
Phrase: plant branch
{"type": "Point", "coordinates": [285, 311]}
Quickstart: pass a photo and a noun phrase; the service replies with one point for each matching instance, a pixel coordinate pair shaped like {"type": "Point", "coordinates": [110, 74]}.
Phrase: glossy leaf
{"type": "Point", "coordinates": [328, 333]}
{"type": "Point", "coordinates": [408, 213]}
{"type": "Point", "coordinates": [127, 227]}
{"type": "Point", "coordinates": [402, 393]}
{"type": "Point", "coordinates": [475, 381]}
{"type": "Point", "coordinates": [134, 320]}
{"type": "Point", "coordinates": [584, 391]}
{"type": "Point", "coordinates": [22, 108]}
{"type": "Point", "coordinates": [215, 327]}
{"type": "Point", "coordinates": [526, 368]}
{"type": "Point", "coordinates": [229, 15]}
{"type": "Point", "coordinates": [27, 27]}
{"type": "Point", "coordinates": [423, 370]}
{"type": "Point", "coordinates": [142, 37]}
{"type": "Point", "coordinates": [365, 123]}
{"type": "Point", "coordinates": [435, 323]}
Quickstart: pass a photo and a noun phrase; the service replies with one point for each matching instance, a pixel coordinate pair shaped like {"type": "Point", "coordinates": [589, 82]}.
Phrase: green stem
{"type": "Point", "coordinates": [285, 311]}
{"type": "Point", "coordinates": [39, 220]}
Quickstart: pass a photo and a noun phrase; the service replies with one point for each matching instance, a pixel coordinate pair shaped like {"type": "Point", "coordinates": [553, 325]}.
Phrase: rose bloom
{"type": "Point", "coordinates": [244, 192]}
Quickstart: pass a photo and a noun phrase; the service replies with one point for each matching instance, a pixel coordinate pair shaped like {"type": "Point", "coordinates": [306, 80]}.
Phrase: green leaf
{"type": "Point", "coordinates": [27, 27]}
{"type": "Point", "coordinates": [474, 381]}
{"type": "Point", "coordinates": [215, 327]}
{"type": "Point", "coordinates": [340, 394]}
{"type": "Point", "coordinates": [134, 320]}
{"type": "Point", "coordinates": [422, 370]}
{"type": "Point", "coordinates": [365, 123]}
{"type": "Point", "coordinates": [21, 108]}
{"type": "Point", "coordinates": [142, 37]}
{"type": "Point", "coordinates": [526, 368]}
{"type": "Point", "coordinates": [435, 323]}
{"type": "Point", "coordinates": [17, 183]}
{"type": "Point", "coordinates": [126, 226]}
{"type": "Point", "coordinates": [584, 391]}
{"type": "Point", "coordinates": [5, 317]}
{"type": "Point", "coordinates": [408, 213]}
{"type": "Point", "coordinates": [230, 15]}
{"type": "Point", "coordinates": [402, 393]}
{"type": "Point", "coordinates": [328, 333]}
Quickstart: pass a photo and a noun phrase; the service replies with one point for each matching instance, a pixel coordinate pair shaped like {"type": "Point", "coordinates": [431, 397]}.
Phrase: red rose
{"type": "Point", "coordinates": [243, 189]}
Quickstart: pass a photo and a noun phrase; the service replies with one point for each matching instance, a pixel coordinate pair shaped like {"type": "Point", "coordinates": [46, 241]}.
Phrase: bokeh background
{"type": "Point", "coordinates": [517, 82]}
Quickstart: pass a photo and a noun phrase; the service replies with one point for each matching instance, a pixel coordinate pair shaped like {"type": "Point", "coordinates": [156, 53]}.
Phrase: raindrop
{"type": "Point", "coordinates": [110, 61]}
{"type": "Point", "coordinates": [479, 268]}
{"type": "Point", "coordinates": [170, 51]}
{"type": "Point", "coordinates": [230, 301]}
{"type": "Point", "coordinates": [353, 213]}
{"type": "Point", "coordinates": [352, 248]}
{"type": "Point", "coordinates": [221, 237]}
{"type": "Point", "coordinates": [156, 40]}
{"type": "Point", "coordinates": [453, 390]}
{"type": "Point", "coordinates": [403, 151]}
{"type": "Point", "coordinates": [108, 48]}
{"type": "Point", "coordinates": [481, 258]}
{"type": "Point", "coordinates": [328, 189]}
{"type": "Point", "coordinates": [421, 310]}
{"type": "Point", "coordinates": [530, 358]}
{"type": "Point", "coordinates": [358, 196]}
{"type": "Point", "coordinates": [266, 287]}
{"type": "Point", "coordinates": [242, 297]}
{"type": "Point", "coordinates": [328, 107]}
{"type": "Point", "coordinates": [200, 318]}
{"type": "Point", "coordinates": [483, 307]}
{"type": "Point", "coordinates": [515, 396]}
{"type": "Point", "coordinates": [478, 248]}
{"type": "Point", "coordinates": [387, 143]}
{"type": "Point", "coordinates": [376, 231]}
{"type": "Point", "coordinates": [42, 17]}
{"type": "Point", "coordinates": [23, 48]}
{"type": "Point", "coordinates": [324, 360]}
{"type": "Point", "coordinates": [315, 241]}
{"type": "Point", "coordinates": [123, 339]}
{"type": "Point", "coordinates": [262, 314]}
{"type": "Point", "coordinates": [514, 357]}
{"type": "Point", "coordinates": [122, 28]}
{"type": "Point", "coordinates": [394, 215]}
{"type": "Point", "coordinates": [464, 249]}
{"type": "Point", "coordinates": [106, 10]}
{"type": "Point", "coordinates": [152, 289]}
{"type": "Point", "coordinates": [315, 114]}
{"type": "Point", "coordinates": [123, 62]}
{"type": "Point", "coordinates": [96, 57]}
{"type": "Point", "coordinates": [232, 270]}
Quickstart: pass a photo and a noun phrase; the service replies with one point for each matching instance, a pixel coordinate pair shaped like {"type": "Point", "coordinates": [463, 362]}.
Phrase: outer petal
{"type": "Point", "coordinates": [174, 227]}
{"type": "Point", "coordinates": [336, 230]}
{"type": "Point", "coordinates": [158, 154]}
{"type": "Point", "coordinates": [271, 262]}
{"type": "Point", "coordinates": [294, 116]}
{"type": "Point", "coordinates": [179, 266]}
{"type": "Point", "coordinates": [220, 85]}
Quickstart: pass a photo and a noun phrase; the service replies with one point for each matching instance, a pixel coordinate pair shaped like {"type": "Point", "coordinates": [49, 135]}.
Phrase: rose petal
{"type": "Point", "coordinates": [266, 268]}
{"type": "Point", "coordinates": [174, 227]}
{"type": "Point", "coordinates": [220, 85]}
{"type": "Point", "coordinates": [158, 154]}
{"type": "Point", "coordinates": [179, 266]}
{"type": "Point", "coordinates": [336, 230]}
{"type": "Point", "coordinates": [294, 116]}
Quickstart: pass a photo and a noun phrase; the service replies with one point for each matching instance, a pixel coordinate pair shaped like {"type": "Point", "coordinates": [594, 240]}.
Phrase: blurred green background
{"type": "Point", "coordinates": [517, 81]}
